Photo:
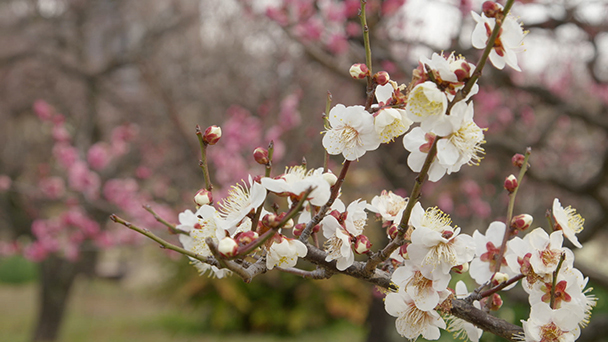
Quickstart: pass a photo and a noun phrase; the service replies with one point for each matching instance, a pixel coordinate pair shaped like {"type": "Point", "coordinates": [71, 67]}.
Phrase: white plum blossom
{"type": "Point", "coordinates": [487, 247]}
{"type": "Point", "coordinates": [388, 205]}
{"type": "Point", "coordinates": [203, 224]}
{"type": "Point", "coordinates": [460, 145]}
{"type": "Point", "coordinates": [462, 329]}
{"type": "Point", "coordinates": [296, 180]}
{"type": "Point", "coordinates": [547, 251]}
{"type": "Point", "coordinates": [356, 217]}
{"type": "Point", "coordinates": [419, 143]}
{"type": "Point", "coordinates": [427, 104]}
{"type": "Point", "coordinates": [351, 132]}
{"type": "Point", "coordinates": [285, 253]}
{"type": "Point", "coordinates": [338, 244]}
{"type": "Point", "coordinates": [389, 122]}
{"type": "Point", "coordinates": [424, 291]}
{"type": "Point", "coordinates": [546, 324]}
{"type": "Point", "coordinates": [507, 44]}
{"type": "Point", "coordinates": [568, 221]}
{"type": "Point", "coordinates": [241, 200]}
{"type": "Point", "coordinates": [568, 292]}
{"type": "Point", "coordinates": [411, 321]}
{"type": "Point", "coordinates": [437, 247]}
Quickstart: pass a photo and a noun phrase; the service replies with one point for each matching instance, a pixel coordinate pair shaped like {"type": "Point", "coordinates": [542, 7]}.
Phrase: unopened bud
{"type": "Point", "coordinates": [212, 135]}
{"type": "Point", "coordinates": [289, 224]}
{"type": "Point", "coordinates": [518, 160]}
{"type": "Point", "coordinates": [491, 9]}
{"type": "Point", "coordinates": [403, 251]}
{"type": "Point", "coordinates": [392, 231]}
{"type": "Point", "coordinates": [522, 222]}
{"type": "Point", "coordinates": [382, 77]}
{"type": "Point", "coordinates": [495, 302]}
{"type": "Point", "coordinates": [298, 229]}
{"type": "Point", "coordinates": [316, 229]}
{"type": "Point", "coordinates": [499, 278]}
{"type": "Point", "coordinates": [460, 269]}
{"type": "Point", "coordinates": [270, 220]}
{"type": "Point", "coordinates": [330, 178]}
{"type": "Point", "coordinates": [245, 238]}
{"type": "Point", "coordinates": [362, 244]}
{"type": "Point", "coordinates": [228, 247]}
{"type": "Point", "coordinates": [511, 183]}
{"type": "Point", "coordinates": [260, 155]}
{"type": "Point", "coordinates": [202, 197]}
{"type": "Point", "coordinates": [358, 71]}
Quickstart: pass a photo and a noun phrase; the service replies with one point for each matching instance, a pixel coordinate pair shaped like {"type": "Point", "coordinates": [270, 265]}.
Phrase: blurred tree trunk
{"type": "Point", "coordinates": [57, 276]}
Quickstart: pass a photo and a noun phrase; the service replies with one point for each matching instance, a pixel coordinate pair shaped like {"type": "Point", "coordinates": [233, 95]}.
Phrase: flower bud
{"type": "Point", "coordinates": [362, 244]}
{"type": "Point", "coordinates": [495, 302]}
{"type": "Point", "coordinates": [382, 77]}
{"type": "Point", "coordinates": [202, 197]}
{"type": "Point", "coordinates": [499, 278]}
{"type": "Point", "coordinates": [212, 135]}
{"type": "Point", "coordinates": [316, 229]}
{"type": "Point", "coordinates": [289, 224]}
{"type": "Point", "coordinates": [330, 178]}
{"type": "Point", "coordinates": [518, 160]}
{"type": "Point", "coordinates": [245, 238]}
{"type": "Point", "coordinates": [228, 247]}
{"type": "Point", "coordinates": [511, 183]}
{"type": "Point", "coordinates": [298, 229]}
{"type": "Point", "coordinates": [460, 269]}
{"type": "Point", "coordinates": [491, 9]}
{"type": "Point", "coordinates": [522, 222]}
{"type": "Point", "coordinates": [270, 220]}
{"type": "Point", "coordinates": [358, 71]}
{"type": "Point", "coordinates": [403, 251]}
{"type": "Point", "coordinates": [260, 155]}
{"type": "Point", "coordinates": [392, 231]}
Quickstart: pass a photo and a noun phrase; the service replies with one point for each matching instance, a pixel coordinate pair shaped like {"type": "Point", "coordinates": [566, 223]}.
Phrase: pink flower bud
{"type": "Point", "coordinates": [202, 197]}
{"type": "Point", "coordinates": [382, 77]}
{"type": "Point", "coordinates": [491, 9]}
{"type": "Point", "coordinates": [460, 269]}
{"type": "Point", "coordinates": [269, 220]}
{"type": "Point", "coordinates": [362, 244]}
{"type": "Point", "coordinates": [518, 160]}
{"type": "Point", "coordinates": [358, 71]}
{"type": "Point", "coordinates": [511, 183]}
{"type": "Point", "coordinates": [228, 247]}
{"type": "Point", "coordinates": [403, 251]}
{"type": "Point", "coordinates": [298, 229]}
{"type": "Point", "coordinates": [245, 238]}
{"type": "Point", "coordinates": [5, 182]}
{"type": "Point", "coordinates": [260, 155]}
{"type": "Point", "coordinates": [522, 222]}
{"type": "Point", "coordinates": [392, 231]}
{"type": "Point", "coordinates": [212, 135]}
{"type": "Point", "coordinates": [495, 302]}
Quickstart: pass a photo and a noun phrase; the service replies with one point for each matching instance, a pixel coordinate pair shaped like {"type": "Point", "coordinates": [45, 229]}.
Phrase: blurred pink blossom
{"type": "Point", "coordinates": [65, 154]}
{"type": "Point", "coordinates": [337, 44]}
{"type": "Point", "coordinates": [5, 182]}
{"type": "Point", "coordinates": [80, 178]}
{"type": "Point", "coordinates": [52, 187]}
{"type": "Point", "coordinates": [43, 110]}
{"type": "Point", "coordinates": [99, 156]}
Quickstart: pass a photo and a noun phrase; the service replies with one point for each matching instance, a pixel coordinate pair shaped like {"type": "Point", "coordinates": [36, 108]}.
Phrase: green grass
{"type": "Point", "coordinates": [102, 311]}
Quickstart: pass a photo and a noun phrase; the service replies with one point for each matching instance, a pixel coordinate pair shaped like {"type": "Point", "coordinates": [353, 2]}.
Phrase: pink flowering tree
{"type": "Point", "coordinates": [270, 221]}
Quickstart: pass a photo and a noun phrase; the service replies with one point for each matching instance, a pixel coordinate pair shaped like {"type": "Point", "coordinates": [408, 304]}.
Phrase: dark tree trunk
{"type": "Point", "coordinates": [57, 276]}
{"type": "Point", "coordinates": [56, 279]}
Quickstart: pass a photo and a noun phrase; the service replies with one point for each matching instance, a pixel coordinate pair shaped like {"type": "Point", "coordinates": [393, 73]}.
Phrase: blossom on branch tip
{"type": "Point", "coordinates": [546, 324]}
{"type": "Point", "coordinates": [508, 42]}
{"type": "Point", "coordinates": [568, 221]}
{"type": "Point", "coordinates": [351, 132]}
{"type": "Point", "coordinates": [427, 104]}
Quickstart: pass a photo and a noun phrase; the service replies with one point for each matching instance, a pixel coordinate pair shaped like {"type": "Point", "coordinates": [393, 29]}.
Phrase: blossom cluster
{"type": "Point", "coordinates": [435, 115]}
